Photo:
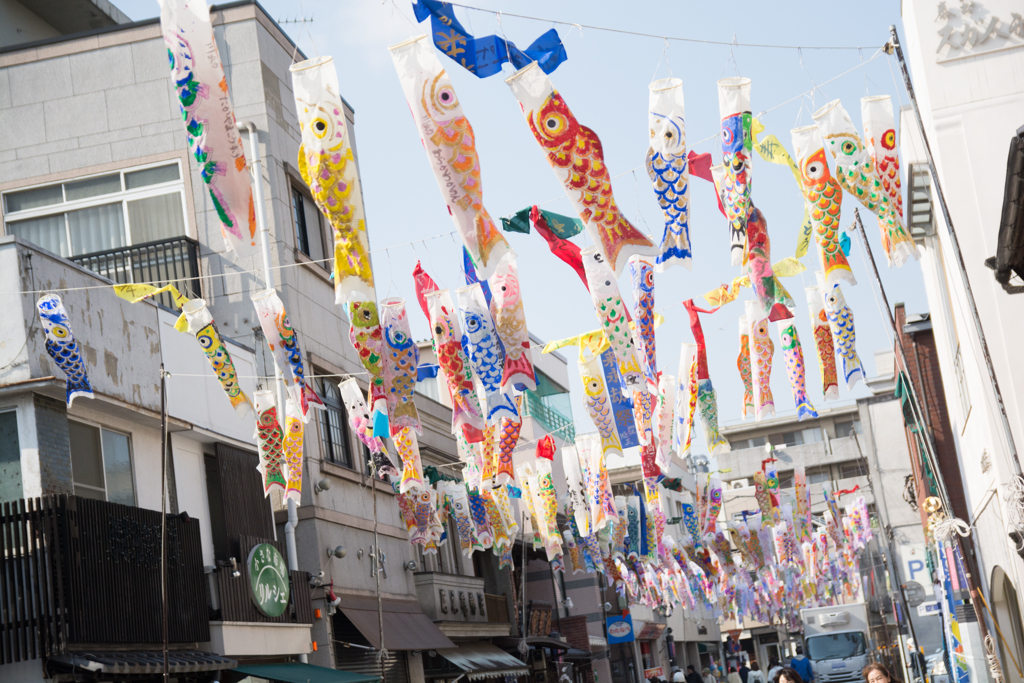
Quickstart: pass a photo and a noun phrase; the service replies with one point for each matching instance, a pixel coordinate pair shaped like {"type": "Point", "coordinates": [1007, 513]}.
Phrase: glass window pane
{"type": "Point", "coordinates": [302, 241]}
{"type": "Point", "coordinates": [117, 462]}
{"type": "Point", "coordinates": [33, 199]}
{"type": "Point", "coordinates": [313, 233]}
{"type": "Point", "coordinates": [156, 218]}
{"type": "Point", "coordinates": [151, 176]}
{"type": "Point", "coordinates": [47, 232]}
{"type": "Point", "coordinates": [93, 187]}
{"type": "Point", "coordinates": [10, 458]}
{"type": "Point", "coordinates": [86, 456]}
{"type": "Point", "coordinates": [98, 228]}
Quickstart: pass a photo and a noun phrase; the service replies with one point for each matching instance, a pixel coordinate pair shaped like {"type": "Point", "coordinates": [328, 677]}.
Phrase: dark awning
{"type": "Point", "coordinates": [145, 662]}
{"type": "Point", "coordinates": [297, 672]}
{"type": "Point", "coordinates": [483, 660]}
{"type": "Point", "coordinates": [574, 654]}
{"type": "Point", "coordinates": [406, 627]}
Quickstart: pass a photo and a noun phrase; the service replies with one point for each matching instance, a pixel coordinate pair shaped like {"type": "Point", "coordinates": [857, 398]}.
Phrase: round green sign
{"type": "Point", "coordinates": [268, 580]}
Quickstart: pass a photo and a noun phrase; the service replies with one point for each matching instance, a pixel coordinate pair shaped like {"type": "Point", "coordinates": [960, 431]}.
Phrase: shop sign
{"type": "Point", "coordinates": [651, 630]}
{"type": "Point", "coordinates": [620, 629]}
{"type": "Point", "coordinates": [972, 30]}
{"type": "Point", "coordinates": [268, 580]}
{"type": "Point", "coordinates": [658, 672]}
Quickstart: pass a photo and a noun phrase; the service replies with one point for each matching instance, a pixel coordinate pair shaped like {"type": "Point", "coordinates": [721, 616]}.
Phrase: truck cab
{"type": "Point", "coordinates": [836, 642]}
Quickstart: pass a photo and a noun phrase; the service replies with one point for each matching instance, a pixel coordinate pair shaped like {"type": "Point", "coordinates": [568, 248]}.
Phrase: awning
{"type": "Point", "coordinates": [406, 627]}
{"type": "Point", "coordinates": [483, 660]}
{"type": "Point", "coordinates": [297, 672]}
{"type": "Point", "coordinates": [145, 662]}
{"type": "Point", "coordinates": [575, 654]}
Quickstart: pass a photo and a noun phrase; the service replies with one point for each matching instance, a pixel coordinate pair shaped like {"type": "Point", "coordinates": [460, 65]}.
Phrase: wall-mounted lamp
{"type": "Point", "coordinates": [410, 566]}
{"type": "Point", "coordinates": [567, 603]}
{"type": "Point", "coordinates": [607, 607]}
{"type": "Point", "coordinates": [359, 555]}
{"type": "Point", "coordinates": [323, 485]}
{"type": "Point", "coordinates": [338, 552]}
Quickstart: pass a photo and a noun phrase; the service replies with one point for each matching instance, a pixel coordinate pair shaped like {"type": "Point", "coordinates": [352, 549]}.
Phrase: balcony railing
{"type": "Point", "coordinates": [174, 261]}
{"type": "Point", "coordinates": [77, 571]}
{"type": "Point", "coordinates": [550, 418]}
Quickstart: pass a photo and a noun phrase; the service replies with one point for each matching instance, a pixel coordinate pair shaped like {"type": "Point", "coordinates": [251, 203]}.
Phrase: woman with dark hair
{"type": "Point", "coordinates": [733, 676]}
{"type": "Point", "coordinates": [877, 673]}
{"type": "Point", "coordinates": [788, 675]}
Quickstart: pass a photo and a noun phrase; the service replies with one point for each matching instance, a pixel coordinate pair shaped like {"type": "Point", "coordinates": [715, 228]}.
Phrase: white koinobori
{"type": "Point", "coordinates": [199, 82]}
{"type": "Point", "coordinates": [669, 170]}
{"type": "Point", "coordinates": [576, 489]}
{"type": "Point", "coordinates": [449, 142]}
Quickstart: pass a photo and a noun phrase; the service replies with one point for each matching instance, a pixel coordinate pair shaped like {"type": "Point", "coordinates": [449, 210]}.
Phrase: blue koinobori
{"type": "Point", "coordinates": [484, 56]}
{"type": "Point", "coordinates": [63, 347]}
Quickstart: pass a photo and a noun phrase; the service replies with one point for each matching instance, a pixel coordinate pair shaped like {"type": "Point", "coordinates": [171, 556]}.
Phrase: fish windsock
{"type": "Point", "coordinates": [483, 347]}
{"type": "Point", "coordinates": [743, 364]}
{"type": "Point", "coordinates": [327, 164]}
{"type": "Point", "coordinates": [668, 168]}
{"type": "Point", "coordinates": [840, 321]}
{"type": "Point", "coordinates": [450, 144]}
{"type": "Point", "coordinates": [880, 140]}
{"type": "Point", "coordinates": [577, 158]}
{"type": "Point", "coordinates": [284, 346]}
{"type": "Point", "coordinates": [360, 420]}
{"type": "Point", "coordinates": [641, 272]}
{"type": "Point", "coordinates": [401, 358]}
{"type": "Point", "coordinates": [510, 322]}
{"type": "Point", "coordinates": [200, 323]}
{"type": "Point", "coordinates": [446, 337]}
{"type": "Point", "coordinates": [686, 399]}
{"type": "Point", "coordinates": [408, 448]}
{"type": "Point", "coordinates": [737, 144]}
{"type": "Point", "coordinates": [824, 199]}
{"type": "Point", "coordinates": [611, 314]}
{"type": "Point", "coordinates": [597, 402]}
{"type": "Point", "coordinates": [855, 169]}
{"type": "Point", "coordinates": [762, 348]}
{"type": "Point", "coordinates": [823, 343]}
{"type": "Point", "coordinates": [292, 447]}
{"type": "Point", "coordinates": [367, 338]}
{"type": "Point", "coordinates": [664, 415]}
{"type": "Point", "coordinates": [273, 467]}
{"type": "Point", "coordinates": [794, 355]}
{"type": "Point", "coordinates": [64, 348]}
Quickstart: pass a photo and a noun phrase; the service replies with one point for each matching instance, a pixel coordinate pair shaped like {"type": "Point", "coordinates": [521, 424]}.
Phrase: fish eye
{"type": "Point", "coordinates": [366, 314]}
{"type": "Point", "coordinates": [59, 331]}
{"type": "Point", "coordinates": [848, 147]}
{"type": "Point", "coordinates": [438, 329]}
{"type": "Point", "coordinates": [815, 170]}
{"type": "Point", "coordinates": [738, 165]}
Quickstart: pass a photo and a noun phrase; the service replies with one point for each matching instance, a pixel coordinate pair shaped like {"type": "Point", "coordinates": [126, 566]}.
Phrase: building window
{"type": "Point", "coordinates": [786, 479]}
{"type": "Point", "coordinates": [101, 463]}
{"type": "Point", "coordinates": [334, 426]}
{"type": "Point", "coordinates": [99, 213]}
{"type": "Point", "coordinates": [848, 428]}
{"type": "Point", "coordinates": [922, 215]}
{"type": "Point", "coordinates": [818, 475]}
{"type": "Point", "coordinates": [961, 382]}
{"type": "Point", "coordinates": [853, 468]}
{"type": "Point", "coordinates": [10, 458]}
{"type": "Point", "coordinates": [309, 236]}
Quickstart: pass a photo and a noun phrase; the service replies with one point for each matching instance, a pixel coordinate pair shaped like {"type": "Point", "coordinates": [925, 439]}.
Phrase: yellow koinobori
{"type": "Point", "coordinates": [771, 150]}
{"type": "Point", "coordinates": [593, 341]}
{"type": "Point", "coordinates": [136, 293]}
{"type": "Point", "coordinates": [328, 167]}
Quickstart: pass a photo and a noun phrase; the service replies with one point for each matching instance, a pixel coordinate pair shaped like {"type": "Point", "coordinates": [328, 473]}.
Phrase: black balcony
{"type": "Point", "coordinates": [171, 261]}
{"type": "Point", "coordinates": [76, 572]}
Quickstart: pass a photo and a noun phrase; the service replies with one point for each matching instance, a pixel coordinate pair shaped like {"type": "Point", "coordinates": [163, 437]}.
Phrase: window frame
{"type": "Point", "coordinates": [103, 460]}
{"type": "Point", "coordinates": [327, 245]}
{"type": "Point", "coordinates": [123, 197]}
{"type": "Point", "coordinates": [323, 420]}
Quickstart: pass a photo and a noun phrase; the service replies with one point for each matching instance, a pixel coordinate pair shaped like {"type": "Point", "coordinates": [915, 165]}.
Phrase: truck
{"type": "Point", "coordinates": [836, 641]}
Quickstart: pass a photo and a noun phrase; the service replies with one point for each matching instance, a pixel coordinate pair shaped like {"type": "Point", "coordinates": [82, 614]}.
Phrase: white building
{"type": "Point", "coordinates": [967, 65]}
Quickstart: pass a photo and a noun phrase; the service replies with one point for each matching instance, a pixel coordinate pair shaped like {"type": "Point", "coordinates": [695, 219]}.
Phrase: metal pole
{"type": "Point", "coordinates": [163, 515]}
{"type": "Point", "coordinates": [382, 656]}
{"type": "Point", "coordinates": [256, 169]}
{"type": "Point", "coordinates": [1011, 446]}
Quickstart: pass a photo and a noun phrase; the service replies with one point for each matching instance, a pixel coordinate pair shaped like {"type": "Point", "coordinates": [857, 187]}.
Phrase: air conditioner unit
{"type": "Point", "coordinates": [739, 484]}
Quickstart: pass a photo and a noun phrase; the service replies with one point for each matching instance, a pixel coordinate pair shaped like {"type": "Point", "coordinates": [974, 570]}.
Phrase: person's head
{"type": "Point", "coordinates": [799, 650]}
{"type": "Point", "coordinates": [732, 669]}
{"type": "Point", "coordinates": [788, 675]}
{"type": "Point", "coordinates": [772, 662]}
{"type": "Point", "coordinates": [754, 666]}
{"type": "Point", "coordinates": [877, 673]}
{"type": "Point", "coordinates": [691, 669]}
{"type": "Point", "coordinates": [706, 671]}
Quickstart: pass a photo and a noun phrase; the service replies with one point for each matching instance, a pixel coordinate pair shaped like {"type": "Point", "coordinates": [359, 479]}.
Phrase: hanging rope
{"type": "Point", "coordinates": [993, 660]}
{"type": "Point", "coordinates": [383, 655]}
{"type": "Point", "coordinates": [523, 647]}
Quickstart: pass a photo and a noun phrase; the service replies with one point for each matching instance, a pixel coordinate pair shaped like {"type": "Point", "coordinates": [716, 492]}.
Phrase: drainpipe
{"type": "Point", "coordinates": [256, 170]}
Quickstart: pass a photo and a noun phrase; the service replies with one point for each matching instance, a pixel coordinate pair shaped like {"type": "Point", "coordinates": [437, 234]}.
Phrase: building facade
{"type": "Point", "coordinates": [967, 64]}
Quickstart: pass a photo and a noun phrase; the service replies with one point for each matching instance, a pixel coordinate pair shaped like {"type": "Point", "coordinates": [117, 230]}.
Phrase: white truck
{"type": "Point", "coordinates": [836, 641]}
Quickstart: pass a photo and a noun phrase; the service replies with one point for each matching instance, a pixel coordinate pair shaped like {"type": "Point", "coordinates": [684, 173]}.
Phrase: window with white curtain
{"type": "Point", "coordinates": [98, 213]}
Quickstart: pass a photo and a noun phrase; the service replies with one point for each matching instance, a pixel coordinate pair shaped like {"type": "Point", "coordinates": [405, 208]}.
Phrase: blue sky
{"type": "Point", "coordinates": [605, 83]}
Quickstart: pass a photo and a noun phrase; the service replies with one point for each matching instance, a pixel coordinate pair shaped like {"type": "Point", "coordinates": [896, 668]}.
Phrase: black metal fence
{"type": "Point", "coordinates": [171, 261]}
{"type": "Point", "coordinates": [77, 571]}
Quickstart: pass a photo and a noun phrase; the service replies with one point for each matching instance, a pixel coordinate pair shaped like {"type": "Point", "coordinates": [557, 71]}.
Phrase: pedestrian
{"type": "Point", "coordinates": [678, 676]}
{"type": "Point", "coordinates": [802, 666]}
{"type": "Point", "coordinates": [744, 671]}
{"type": "Point", "coordinates": [708, 678]}
{"type": "Point", "coordinates": [773, 669]}
{"type": "Point", "coordinates": [692, 676]}
{"type": "Point", "coordinates": [755, 675]}
{"type": "Point", "coordinates": [788, 675]}
{"type": "Point", "coordinates": [733, 676]}
{"type": "Point", "coordinates": [877, 673]}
